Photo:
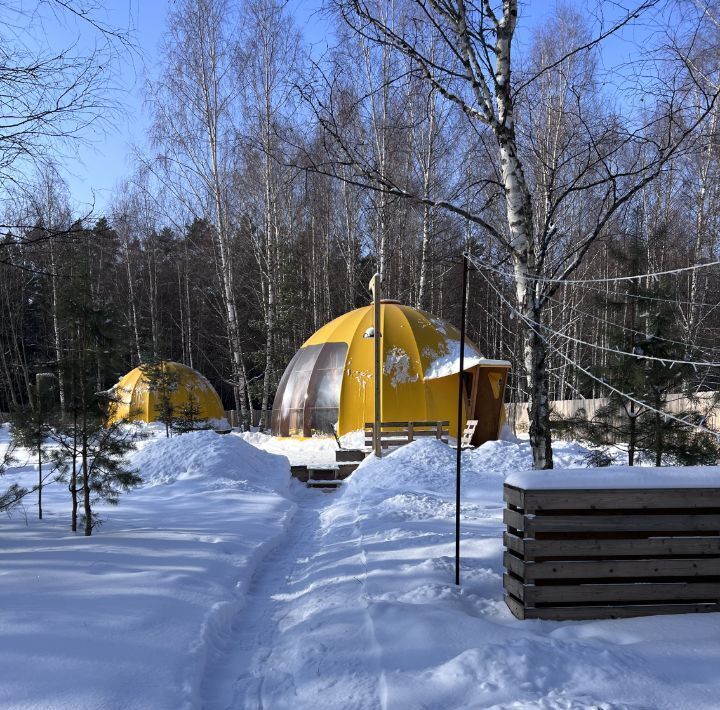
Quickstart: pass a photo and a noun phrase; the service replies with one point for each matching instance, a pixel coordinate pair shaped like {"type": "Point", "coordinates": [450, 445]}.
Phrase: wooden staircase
{"type": "Point", "coordinates": [330, 476]}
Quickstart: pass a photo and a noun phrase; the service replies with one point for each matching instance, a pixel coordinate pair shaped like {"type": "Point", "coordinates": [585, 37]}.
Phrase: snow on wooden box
{"type": "Point", "coordinates": [589, 552]}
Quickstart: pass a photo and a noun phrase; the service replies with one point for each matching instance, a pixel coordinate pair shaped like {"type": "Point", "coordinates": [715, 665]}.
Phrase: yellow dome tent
{"type": "Point", "coordinates": [329, 383]}
{"type": "Point", "coordinates": [135, 400]}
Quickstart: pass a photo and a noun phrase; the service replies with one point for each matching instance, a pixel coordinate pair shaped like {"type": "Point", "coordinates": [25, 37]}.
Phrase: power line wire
{"type": "Point", "coordinates": [643, 297]}
{"type": "Point", "coordinates": [585, 314]}
{"type": "Point", "coordinates": [612, 279]}
{"type": "Point", "coordinates": [605, 384]}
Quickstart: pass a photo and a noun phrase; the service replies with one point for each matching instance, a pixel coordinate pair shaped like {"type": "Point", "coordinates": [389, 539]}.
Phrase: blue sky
{"type": "Point", "coordinates": [97, 169]}
{"type": "Point", "coordinates": [100, 166]}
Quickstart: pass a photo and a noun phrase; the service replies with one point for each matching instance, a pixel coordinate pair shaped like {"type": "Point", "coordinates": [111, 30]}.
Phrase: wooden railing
{"type": "Point", "coordinates": [400, 433]}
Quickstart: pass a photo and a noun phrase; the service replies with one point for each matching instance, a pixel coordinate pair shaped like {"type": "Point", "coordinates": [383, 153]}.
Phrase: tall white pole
{"type": "Point", "coordinates": [375, 288]}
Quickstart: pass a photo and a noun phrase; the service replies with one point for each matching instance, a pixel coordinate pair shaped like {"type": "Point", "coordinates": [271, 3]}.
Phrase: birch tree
{"type": "Point", "coordinates": [270, 61]}
{"type": "Point", "coordinates": [194, 104]}
{"type": "Point", "coordinates": [617, 160]}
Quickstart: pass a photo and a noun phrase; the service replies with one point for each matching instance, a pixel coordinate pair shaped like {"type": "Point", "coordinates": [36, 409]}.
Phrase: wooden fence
{"type": "Point", "coordinates": [564, 408]}
{"type": "Point", "coordinates": [607, 553]}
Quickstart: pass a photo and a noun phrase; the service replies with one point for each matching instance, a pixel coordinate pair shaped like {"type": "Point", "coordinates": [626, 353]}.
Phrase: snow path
{"type": "Point", "coordinates": [305, 631]}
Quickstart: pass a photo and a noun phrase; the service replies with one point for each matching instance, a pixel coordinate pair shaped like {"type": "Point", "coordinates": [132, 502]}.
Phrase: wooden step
{"type": "Point", "coordinates": [350, 455]}
{"type": "Point", "coordinates": [323, 473]}
{"type": "Point", "coordinates": [300, 472]}
{"type": "Point", "coordinates": [328, 485]}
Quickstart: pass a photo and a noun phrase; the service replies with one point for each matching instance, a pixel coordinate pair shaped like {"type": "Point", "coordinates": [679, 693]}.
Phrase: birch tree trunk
{"type": "Point", "coordinates": [56, 326]}
{"type": "Point", "coordinates": [270, 207]}
{"type": "Point", "coordinates": [131, 294]}
{"type": "Point", "coordinates": [195, 105]}
{"type": "Point", "coordinates": [518, 203]}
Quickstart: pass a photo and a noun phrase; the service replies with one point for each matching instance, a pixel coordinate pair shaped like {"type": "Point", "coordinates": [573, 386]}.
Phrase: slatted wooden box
{"type": "Point", "coordinates": [593, 550]}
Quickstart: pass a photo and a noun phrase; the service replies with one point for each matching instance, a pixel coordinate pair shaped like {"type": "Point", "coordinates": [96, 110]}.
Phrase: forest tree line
{"type": "Point", "coordinates": [276, 179]}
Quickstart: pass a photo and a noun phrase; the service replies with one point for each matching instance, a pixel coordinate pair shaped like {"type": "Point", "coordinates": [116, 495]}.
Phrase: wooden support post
{"type": "Point", "coordinates": [377, 335]}
{"type": "Point", "coordinates": [411, 432]}
{"type": "Point", "coordinates": [461, 395]}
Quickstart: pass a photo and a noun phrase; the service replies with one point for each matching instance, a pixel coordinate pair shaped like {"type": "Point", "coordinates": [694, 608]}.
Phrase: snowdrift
{"type": "Point", "coordinates": [429, 465]}
{"type": "Point", "coordinates": [204, 456]}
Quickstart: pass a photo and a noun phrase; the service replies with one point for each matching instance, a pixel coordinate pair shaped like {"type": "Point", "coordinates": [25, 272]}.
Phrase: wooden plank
{"type": "Point", "coordinates": [393, 442]}
{"type": "Point", "coordinates": [328, 485]}
{"type": "Point", "coordinates": [424, 423]}
{"type": "Point", "coordinates": [514, 586]}
{"type": "Point", "coordinates": [514, 496]}
{"type": "Point", "coordinates": [516, 607]}
{"type": "Point", "coordinates": [514, 543]}
{"type": "Point", "coordinates": [610, 569]}
{"type": "Point", "coordinates": [578, 613]}
{"type": "Point", "coordinates": [619, 523]}
{"type": "Point", "coordinates": [625, 592]}
{"type": "Point", "coordinates": [516, 566]}
{"type": "Point", "coordinates": [404, 434]}
{"type": "Point", "coordinates": [354, 455]}
{"type": "Point", "coordinates": [300, 472]}
{"type": "Point", "coordinates": [323, 474]}
{"type": "Point", "coordinates": [532, 548]}
{"type": "Point", "coordinates": [346, 469]}
{"type": "Point", "coordinates": [514, 519]}
{"type": "Point", "coordinates": [631, 498]}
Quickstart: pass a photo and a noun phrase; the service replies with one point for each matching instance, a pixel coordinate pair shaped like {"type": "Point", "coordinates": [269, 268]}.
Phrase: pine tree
{"type": "Point", "coordinates": [95, 461]}
{"type": "Point", "coordinates": [32, 428]}
{"type": "Point", "coordinates": [14, 493]}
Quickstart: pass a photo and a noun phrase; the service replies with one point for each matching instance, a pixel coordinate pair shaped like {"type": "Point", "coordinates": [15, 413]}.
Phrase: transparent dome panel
{"type": "Point", "coordinates": [308, 396]}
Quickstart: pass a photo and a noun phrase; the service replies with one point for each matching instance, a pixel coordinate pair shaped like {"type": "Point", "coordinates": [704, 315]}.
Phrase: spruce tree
{"type": "Point", "coordinates": [645, 382]}
{"type": "Point", "coordinates": [163, 383]}
{"type": "Point", "coordinates": [189, 418]}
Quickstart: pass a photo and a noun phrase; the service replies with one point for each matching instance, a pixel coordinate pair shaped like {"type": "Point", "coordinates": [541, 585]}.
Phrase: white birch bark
{"type": "Point", "coordinates": [212, 49]}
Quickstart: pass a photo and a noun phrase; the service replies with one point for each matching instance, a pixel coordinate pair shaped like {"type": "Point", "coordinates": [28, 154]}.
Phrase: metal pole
{"type": "Point", "coordinates": [461, 395]}
{"type": "Point", "coordinates": [377, 377]}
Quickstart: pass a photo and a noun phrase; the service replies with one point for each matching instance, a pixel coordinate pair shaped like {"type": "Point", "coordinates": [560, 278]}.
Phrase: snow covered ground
{"type": "Point", "coordinates": [300, 452]}
{"type": "Point", "coordinates": [220, 585]}
{"type": "Point", "coordinates": [132, 616]}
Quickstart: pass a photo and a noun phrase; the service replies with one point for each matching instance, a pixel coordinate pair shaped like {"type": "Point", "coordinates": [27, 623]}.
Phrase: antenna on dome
{"type": "Point", "coordinates": [377, 376]}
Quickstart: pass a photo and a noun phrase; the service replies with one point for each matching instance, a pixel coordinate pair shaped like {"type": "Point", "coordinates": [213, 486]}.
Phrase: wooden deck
{"type": "Point", "coordinates": [590, 554]}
